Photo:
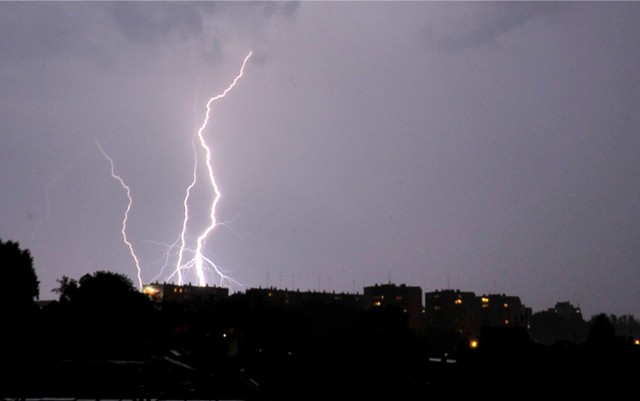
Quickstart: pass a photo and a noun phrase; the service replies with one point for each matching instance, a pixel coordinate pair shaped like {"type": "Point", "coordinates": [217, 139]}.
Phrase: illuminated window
{"type": "Point", "coordinates": [458, 302]}
{"type": "Point", "coordinates": [637, 342]}
{"type": "Point", "coordinates": [506, 322]}
{"type": "Point", "coordinates": [473, 343]}
{"type": "Point", "coordinates": [506, 305]}
{"type": "Point", "coordinates": [377, 303]}
{"type": "Point", "coordinates": [485, 300]}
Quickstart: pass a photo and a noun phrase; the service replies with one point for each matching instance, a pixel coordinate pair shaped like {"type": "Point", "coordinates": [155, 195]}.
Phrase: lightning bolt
{"type": "Point", "coordinates": [47, 206]}
{"type": "Point", "coordinates": [199, 261]}
{"type": "Point", "coordinates": [126, 215]}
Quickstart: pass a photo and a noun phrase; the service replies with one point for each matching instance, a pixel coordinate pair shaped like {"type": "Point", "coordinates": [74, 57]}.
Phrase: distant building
{"type": "Point", "coordinates": [500, 310]}
{"type": "Point", "coordinates": [287, 298]}
{"type": "Point", "coordinates": [453, 311]}
{"type": "Point", "coordinates": [566, 310]}
{"type": "Point", "coordinates": [172, 293]}
{"type": "Point", "coordinates": [561, 324]}
{"type": "Point", "coordinates": [406, 298]}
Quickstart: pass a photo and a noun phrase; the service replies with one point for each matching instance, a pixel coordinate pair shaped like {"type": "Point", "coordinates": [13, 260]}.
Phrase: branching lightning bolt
{"type": "Point", "coordinates": [199, 260]}
{"type": "Point", "coordinates": [126, 215]}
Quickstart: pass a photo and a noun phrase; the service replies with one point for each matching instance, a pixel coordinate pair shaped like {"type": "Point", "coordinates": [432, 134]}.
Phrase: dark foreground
{"type": "Point", "coordinates": [382, 374]}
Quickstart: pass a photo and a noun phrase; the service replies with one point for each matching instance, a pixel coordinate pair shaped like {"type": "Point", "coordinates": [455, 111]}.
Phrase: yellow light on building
{"type": "Point", "coordinates": [485, 300]}
{"type": "Point", "coordinates": [473, 344]}
{"type": "Point", "coordinates": [151, 291]}
{"type": "Point", "coordinates": [458, 302]}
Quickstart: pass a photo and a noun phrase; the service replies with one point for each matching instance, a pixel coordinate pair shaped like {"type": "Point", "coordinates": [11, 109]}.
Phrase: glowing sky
{"type": "Point", "coordinates": [490, 147]}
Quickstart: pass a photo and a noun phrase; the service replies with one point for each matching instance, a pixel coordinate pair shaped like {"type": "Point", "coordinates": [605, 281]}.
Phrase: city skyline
{"type": "Point", "coordinates": [485, 146]}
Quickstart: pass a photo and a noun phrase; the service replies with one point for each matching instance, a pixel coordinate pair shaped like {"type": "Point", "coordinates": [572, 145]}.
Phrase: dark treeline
{"type": "Point", "coordinates": [102, 338]}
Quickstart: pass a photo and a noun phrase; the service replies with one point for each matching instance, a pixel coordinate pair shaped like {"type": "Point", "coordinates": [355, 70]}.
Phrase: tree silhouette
{"type": "Point", "coordinates": [67, 289]}
{"type": "Point", "coordinates": [16, 267]}
{"type": "Point", "coordinates": [106, 314]}
{"type": "Point", "coordinates": [18, 312]}
{"type": "Point", "coordinates": [601, 332]}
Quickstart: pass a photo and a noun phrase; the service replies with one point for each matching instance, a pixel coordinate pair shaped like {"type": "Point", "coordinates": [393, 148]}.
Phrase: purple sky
{"type": "Point", "coordinates": [490, 147]}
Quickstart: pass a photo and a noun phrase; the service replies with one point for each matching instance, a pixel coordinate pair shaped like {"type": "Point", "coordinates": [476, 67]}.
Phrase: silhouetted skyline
{"type": "Point", "coordinates": [485, 146]}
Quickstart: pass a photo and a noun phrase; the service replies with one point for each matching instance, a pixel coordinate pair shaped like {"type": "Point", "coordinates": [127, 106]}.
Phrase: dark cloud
{"type": "Point", "coordinates": [150, 22]}
{"type": "Point", "coordinates": [483, 23]}
{"type": "Point", "coordinates": [32, 31]}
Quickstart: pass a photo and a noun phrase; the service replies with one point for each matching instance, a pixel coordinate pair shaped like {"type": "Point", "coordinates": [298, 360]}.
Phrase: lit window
{"type": "Point", "coordinates": [458, 301]}
{"type": "Point", "coordinates": [377, 303]}
{"type": "Point", "coordinates": [473, 343]}
{"type": "Point", "coordinates": [637, 342]}
{"type": "Point", "coordinates": [485, 300]}
{"type": "Point", "coordinates": [506, 322]}
{"type": "Point", "coordinates": [506, 305]}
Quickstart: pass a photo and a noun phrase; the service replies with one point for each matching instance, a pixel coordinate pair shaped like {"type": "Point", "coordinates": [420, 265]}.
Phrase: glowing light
{"type": "Point", "coordinates": [458, 302]}
{"type": "Point", "coordinates": [194, 257]}
{"type": "Point", "coordinates": [199, 261]}
{"type": "Point", "coordinates": [473, 344]}
{"type": "Point", "coordinates": [126, 216]}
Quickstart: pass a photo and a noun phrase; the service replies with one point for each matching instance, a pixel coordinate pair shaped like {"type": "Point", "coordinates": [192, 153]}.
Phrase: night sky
{"type": "Point", "coordinates": [489, 147]}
